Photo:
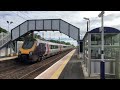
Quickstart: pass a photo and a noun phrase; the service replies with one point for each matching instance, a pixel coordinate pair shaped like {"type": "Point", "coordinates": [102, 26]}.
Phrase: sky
{"type": "Point", "coordinates": [111, 19]}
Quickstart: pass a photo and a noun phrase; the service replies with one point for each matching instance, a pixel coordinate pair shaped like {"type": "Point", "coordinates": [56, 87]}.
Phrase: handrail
{"type": "Point", "coordinates": [5, 39]}
{"type": "Point", "coordinates": [106, 60]}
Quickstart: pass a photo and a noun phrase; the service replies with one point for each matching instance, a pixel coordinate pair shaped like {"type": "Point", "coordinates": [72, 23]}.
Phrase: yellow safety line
{"type": "Point", "coordinates": [60, 69]}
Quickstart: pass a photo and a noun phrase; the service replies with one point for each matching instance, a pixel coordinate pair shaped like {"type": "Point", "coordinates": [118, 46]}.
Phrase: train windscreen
{"type": "Point", "coordinates": [28, 44]}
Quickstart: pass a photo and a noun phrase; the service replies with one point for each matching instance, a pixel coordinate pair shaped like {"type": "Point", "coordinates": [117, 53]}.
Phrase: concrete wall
{"type": "Point", "coordinates": [2, 51]}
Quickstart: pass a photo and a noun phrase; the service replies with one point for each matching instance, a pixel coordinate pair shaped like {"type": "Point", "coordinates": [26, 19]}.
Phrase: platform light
{"type": "Point", "coordinates": [101, 14]}
{"type": "Point", "coordinates": [86, 18]}
{"type": "Point", "coordinates": [9, 22]}
{"type": "Point", "coordinates": [88, 22]}
{"type": "Point", "coordinates": [102, 63]}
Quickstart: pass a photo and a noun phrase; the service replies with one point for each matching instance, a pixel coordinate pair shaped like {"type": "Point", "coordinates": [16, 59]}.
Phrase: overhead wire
{"type": "Point", "coordinates": [18, 15]}
{"type": "Point", "coordinates": [25, 14]}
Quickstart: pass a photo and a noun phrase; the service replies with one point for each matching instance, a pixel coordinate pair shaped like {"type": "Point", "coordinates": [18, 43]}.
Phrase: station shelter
{"type": "Point", "coordinates": [92, 50]}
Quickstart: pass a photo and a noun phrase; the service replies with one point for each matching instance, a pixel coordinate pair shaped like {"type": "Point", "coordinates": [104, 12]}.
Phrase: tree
{"type": "Point", "coordinates": [3, 30]}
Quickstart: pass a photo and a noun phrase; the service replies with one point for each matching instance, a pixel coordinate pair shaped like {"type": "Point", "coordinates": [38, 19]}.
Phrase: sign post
{"type": "Point", "coordinates": [102, 63]}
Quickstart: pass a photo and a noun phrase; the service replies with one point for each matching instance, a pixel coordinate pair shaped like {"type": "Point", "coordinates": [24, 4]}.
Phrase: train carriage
{"type": "Point", "coordinates": [34, 50]}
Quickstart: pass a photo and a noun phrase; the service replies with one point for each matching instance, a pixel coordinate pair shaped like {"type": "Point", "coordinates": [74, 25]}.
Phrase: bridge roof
{"type": "Point", "coordinates": [106, 30]}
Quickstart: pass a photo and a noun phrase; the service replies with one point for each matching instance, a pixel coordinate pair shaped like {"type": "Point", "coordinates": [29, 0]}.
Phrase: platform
{"type": "Point", "coordinates": [73, 69]}
{"type": "Point", "coordinates": [7, 58]}
{"type": "Point", "coordinates": [69, 67]}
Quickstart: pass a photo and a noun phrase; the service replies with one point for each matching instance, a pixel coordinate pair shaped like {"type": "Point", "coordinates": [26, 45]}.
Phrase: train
{"type": "Point", "coordinates": [35, 50]}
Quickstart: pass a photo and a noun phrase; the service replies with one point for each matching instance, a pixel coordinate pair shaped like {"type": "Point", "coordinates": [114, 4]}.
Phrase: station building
{"type": "Point", "coordinates": [92, 50]}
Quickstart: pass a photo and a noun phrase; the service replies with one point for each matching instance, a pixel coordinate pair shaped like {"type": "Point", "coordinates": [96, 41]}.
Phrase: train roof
{"type": "Point", "coordinates": [42, 41]}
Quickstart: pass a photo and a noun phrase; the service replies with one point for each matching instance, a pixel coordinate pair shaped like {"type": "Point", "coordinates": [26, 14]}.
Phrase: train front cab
{"type": "Point", "coordinates": [26, 51]}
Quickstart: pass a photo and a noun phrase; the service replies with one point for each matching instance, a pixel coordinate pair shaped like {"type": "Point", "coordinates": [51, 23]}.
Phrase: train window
{"type": "Point", "coordinates": [56, 46]}
{"type": "Point", "coordinates": [64, 46]}
{"type": "Point", "coordinates": [53, 46]}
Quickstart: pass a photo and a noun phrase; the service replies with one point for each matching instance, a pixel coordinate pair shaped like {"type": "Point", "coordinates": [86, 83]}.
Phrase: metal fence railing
{"type": "Point", "coordinates": [5, 39]}
{"type": "Point", "coordinates": [112, 66]}
{"type": "Point", "coordinates": [109, 67]}
{"type": "Point", "coordinates": [117, 65]}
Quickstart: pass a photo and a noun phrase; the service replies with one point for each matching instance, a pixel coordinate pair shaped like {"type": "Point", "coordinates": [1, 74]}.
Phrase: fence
{"type": "Point", "coordinates": [117, 65]}
{"type": "Point", "coordinates": [112, 66]}
{"type": "Point", "coordinates": [5, 39]}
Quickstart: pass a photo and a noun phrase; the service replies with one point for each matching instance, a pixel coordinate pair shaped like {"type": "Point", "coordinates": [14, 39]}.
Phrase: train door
{"type": "Point", "coordinates": [47, 49]}
{"type": "Point", "coordinates": [42, 49]}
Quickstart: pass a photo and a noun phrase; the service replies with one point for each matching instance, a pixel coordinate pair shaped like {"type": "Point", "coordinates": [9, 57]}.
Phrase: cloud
{"type": "Point", "coordinates": [111, 18]}
{"type": "Point", "coordinates": [3, 14]}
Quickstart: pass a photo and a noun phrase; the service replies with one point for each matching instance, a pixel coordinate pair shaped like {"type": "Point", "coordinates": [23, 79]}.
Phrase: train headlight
{"type": "Point", "coordinates": [30, 53]}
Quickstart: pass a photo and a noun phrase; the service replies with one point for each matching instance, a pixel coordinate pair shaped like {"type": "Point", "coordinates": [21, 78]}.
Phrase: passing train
{"type": "Point", "coordinates": [34, 50]}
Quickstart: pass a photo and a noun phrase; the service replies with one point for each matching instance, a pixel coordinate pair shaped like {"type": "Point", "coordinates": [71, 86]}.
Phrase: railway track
{"type": "Point", "coordinates": [6, 67]}
{"type": "Point", "coordinates": [30, 71]}
{"type": "Point", "coordinates": [40, 69]}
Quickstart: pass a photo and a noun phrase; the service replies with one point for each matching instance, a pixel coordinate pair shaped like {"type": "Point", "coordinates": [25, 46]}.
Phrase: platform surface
{"type": "Point", "coordinates": [7, 58]}
{"type": "Point", "coordinates": [69, 67]}
{"type": "Point", "coordinates": [73, 69]}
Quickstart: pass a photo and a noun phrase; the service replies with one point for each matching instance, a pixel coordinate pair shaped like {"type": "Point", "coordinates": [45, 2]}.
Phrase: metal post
{"type": "Point", "coordinates": [87, 26]}
{"type": "Point", "coordinates": [10, 33]}
{"type": "Point", "coordinates": [89, 55]}
{"type": "Point", "coordinates": [10, 42]}
{"type": "Point", "coordinates": [10, 48]}
{"type": "Point", "coordinates": [15, 46]}
{"type": "Point", "coordinates": [102, 63]}
{"type": "Point", "coordinates": [88, 23]}
{"type": "Point", "coordinates": [8, 27]}
{"type": "Point", "coordinates": [78, 43]}
{"type": "Point", "coordinates": [6, 50]}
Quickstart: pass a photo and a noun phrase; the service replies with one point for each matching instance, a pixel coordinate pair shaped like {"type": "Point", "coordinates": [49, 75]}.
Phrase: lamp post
{"type": "Point", "coordinates": [10, 22]}
{"type": "Point", "coordinates": [102, 63]}
{"type": "Point", "coordinates": [88, 23]}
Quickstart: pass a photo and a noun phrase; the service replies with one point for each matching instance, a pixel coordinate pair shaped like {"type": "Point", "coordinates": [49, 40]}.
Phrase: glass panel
{"type": "Point", "coordinates": [95, 53]}
{"type": "Point", "coordinates": [86, 41]}
{"type": "Point", "coordinates": [95, 39]}
{"type": "Point", "coordinates": [115, 39]}
{"type": "Point", "coordinates": [28, 44]}
{"type": "Point", "coordinates": [112, 39]}
{"type": "Point", "coordinates": [110, 52]}
{"type": "Point", "coordinates": [109, 39]}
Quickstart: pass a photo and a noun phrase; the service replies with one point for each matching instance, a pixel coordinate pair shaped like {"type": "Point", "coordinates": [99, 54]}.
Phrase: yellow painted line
{"type": "Point", "coordinates": [60, 69]}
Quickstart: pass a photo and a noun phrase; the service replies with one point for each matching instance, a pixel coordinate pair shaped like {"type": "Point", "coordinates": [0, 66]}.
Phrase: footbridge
{"type": "Point", "coordinates": [30, 26]}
